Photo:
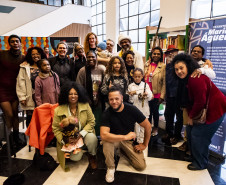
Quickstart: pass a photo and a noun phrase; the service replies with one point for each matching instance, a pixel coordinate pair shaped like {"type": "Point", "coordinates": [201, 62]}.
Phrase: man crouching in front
{"type": "Point", "coordinates": [117, 131]}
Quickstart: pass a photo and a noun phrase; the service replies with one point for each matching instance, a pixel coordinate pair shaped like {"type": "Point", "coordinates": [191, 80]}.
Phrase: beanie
{"type": "Point", "coordinates": [102, 45]}
{"type": "Point", "coordinates": [123, 37]}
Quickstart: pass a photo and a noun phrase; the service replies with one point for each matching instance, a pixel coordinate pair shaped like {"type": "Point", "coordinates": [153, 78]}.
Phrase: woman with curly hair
{"type": "Point", "coordinates": [90, 42]}
{"type": "Point", "coordinates": [116, 75]}
{"type": "Point", "coordinates": [128, 57]}
{"type": "Point", "coordinates": [195, 94]}
{"type": "Point", "coordinates": [74, 105]}
{"type": "Point", "coordinates": [25, 87]}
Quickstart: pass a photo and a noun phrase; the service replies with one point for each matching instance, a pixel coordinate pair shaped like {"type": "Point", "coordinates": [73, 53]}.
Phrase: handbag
{"type": "Point", "coordinates": [201, 117]}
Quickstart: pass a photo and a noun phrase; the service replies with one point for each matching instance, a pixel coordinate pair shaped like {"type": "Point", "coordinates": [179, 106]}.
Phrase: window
{"type": "Point", "coordinates": [201, 9]}
{"type": "Point", "coordinates": [135, 15]}
{"type": "Point", "coordinates": [99, 18]}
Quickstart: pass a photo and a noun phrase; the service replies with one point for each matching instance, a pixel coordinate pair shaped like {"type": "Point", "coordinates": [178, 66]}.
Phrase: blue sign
{"type": "Point", "coordinates": [211, 35]}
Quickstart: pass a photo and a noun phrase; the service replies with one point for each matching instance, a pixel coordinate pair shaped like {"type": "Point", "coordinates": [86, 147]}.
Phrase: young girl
{"type": "Point", "coordinates": [47, 84]}
{"type": "Point", "coordinates": [139, 95]}
{"type": "Point", "coordinates": [115, 74]}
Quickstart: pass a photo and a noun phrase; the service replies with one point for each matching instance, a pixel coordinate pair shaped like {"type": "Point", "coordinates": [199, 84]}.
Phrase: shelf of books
{"type": "Point", "coordinates": [177, 36]}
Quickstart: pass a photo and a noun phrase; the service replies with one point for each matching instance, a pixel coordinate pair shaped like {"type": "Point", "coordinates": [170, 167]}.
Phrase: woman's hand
{"type": "Point", "coordinates": [110, 84]}
{"type": "Point", "coordinates": [23, 102]}
{"type": "Point", "coordinates": [190, 121]}
{"type": "Point", "coordinates": [160, 100]}
{"type": "Point", "coordinates": [73, 140]}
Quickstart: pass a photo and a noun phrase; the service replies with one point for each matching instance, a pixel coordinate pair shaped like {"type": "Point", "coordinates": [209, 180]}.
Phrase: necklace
{"type": "Point", "coordinates": [74, 111]}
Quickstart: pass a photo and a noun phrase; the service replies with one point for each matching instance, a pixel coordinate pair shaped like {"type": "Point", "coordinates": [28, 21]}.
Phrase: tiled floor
{"type": "Point", "coordinates": [165, 166]}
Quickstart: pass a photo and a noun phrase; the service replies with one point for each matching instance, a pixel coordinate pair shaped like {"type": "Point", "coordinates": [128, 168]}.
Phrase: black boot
{"type": "Point", "coordinates": [16, 139]}
{"type": "Point", "coordinates": [28, 120]}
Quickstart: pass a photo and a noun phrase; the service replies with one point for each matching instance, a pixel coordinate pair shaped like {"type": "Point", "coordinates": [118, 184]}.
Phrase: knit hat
{"type": "Point", "coordinates": [171, 48]}
{"type": "Point", "coordinates": [123, 37]}
{"type": "Point", "coordinates": [102, 45]}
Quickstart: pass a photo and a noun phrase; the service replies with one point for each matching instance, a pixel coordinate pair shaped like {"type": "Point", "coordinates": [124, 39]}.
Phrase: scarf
{"type": "Point", "coordinates": [121, 52]}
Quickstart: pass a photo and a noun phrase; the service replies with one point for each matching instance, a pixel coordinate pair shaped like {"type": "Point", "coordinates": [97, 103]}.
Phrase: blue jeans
{"type": "Point", "coordinates": [199, 139]}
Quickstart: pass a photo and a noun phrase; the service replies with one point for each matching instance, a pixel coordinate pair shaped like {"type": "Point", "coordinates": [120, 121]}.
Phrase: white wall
{"type": "Point", "coordinates": [22, 14]}
{"type": "Point", "coordinates": [112, 21]}
{"type": "Point", "coordinates": [174, 13]}
{"type": "Point", "coordinates": [54, 21]}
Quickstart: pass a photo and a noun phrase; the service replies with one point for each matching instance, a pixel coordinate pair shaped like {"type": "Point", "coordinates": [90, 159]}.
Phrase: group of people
{"type": "Point", "coordinates": [114, 96]}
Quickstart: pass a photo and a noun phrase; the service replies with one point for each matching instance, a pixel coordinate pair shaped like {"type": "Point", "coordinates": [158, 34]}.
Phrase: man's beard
{"type": "Point", "coordinates": [116, 110]}
{"type": "Point", "coordinates": [125, 49]}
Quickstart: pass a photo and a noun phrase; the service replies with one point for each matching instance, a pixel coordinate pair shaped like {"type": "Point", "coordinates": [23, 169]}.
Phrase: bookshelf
{"type": "Point", "coordinates": [177, 36]}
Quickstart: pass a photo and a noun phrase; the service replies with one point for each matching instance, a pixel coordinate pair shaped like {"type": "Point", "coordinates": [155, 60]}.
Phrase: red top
{"type": "Point", "coordinates": [151, 70]}
{"type": "Point", "coordinates": [198, 89]}
{"type": "Point", "coordinates": [10, 65]}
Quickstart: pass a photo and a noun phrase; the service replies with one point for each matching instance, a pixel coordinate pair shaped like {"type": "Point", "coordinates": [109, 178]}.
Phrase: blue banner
{"type": "Point", "coordinates": [211, 35]}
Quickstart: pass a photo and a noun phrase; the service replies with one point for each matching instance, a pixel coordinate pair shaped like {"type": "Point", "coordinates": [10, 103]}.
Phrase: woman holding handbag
{"type": "Point", "coordinates": [196, 95]}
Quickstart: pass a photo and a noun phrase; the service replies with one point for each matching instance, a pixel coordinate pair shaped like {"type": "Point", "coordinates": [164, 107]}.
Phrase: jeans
{"type": "Point", "coordinates": [199, 139]}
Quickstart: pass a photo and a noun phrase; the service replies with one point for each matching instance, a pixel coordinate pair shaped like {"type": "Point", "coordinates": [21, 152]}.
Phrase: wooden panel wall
{"type": "Point", "coordinates": [74, 30]}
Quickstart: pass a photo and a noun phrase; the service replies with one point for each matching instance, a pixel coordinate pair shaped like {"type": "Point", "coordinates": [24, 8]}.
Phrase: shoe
{"type": "Point", "coordinates": [110, 175]}
{"type": "Point", "coordinates": [166, 139]}
{"type": "Point", "coordinates": [92, 161]}
{"type": "Point", "coordinates": [183, 147]}
{"type": "Point", "coordinates": [154, 131]}
{"type": "Point", "coordinates": [194, 168]}
{"type": "Point", "coordinates": [174, 140]}
{"type": "Point", "coordinates": [188, 152]}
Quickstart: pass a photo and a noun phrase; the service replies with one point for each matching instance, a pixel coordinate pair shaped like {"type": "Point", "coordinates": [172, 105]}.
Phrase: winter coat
{"type": "Point", "coordinates": [87, 121]}
{"type": "Point", "coordinates": [24, 87]}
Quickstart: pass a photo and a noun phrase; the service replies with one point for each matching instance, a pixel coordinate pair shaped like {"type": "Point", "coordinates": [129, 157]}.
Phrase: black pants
{"type": "Point", "coordinates": [154, 111]}
{"type": "Point", "coordinates": [170, 111]}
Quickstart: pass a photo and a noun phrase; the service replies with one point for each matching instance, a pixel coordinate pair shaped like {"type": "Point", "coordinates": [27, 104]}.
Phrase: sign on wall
{"type": "Point", "coordinates": [211, 35]}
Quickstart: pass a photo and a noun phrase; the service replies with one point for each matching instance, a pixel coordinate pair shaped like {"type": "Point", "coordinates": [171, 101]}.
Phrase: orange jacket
{"type": "Point", "coordinates": [40, 128]}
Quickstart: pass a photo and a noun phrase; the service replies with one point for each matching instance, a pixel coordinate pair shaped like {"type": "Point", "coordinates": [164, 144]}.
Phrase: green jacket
{"type": "Point", "coordinates": [87, 121]}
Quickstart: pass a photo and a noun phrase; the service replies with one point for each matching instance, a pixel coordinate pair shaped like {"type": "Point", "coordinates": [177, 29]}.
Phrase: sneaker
{"type": "Point", "coordinates": [154, 131]}
{"type": "Point", "coordinates": [110, 175]}
{"type": "Point", "coordinates": [183, 147]}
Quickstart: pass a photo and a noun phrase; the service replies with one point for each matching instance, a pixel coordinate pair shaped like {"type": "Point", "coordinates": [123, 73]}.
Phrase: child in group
{"type": "Point", "coordinates": [70, 132]}
{"type": "Point", "coordinates": [47, 84]}
{"type": "Point", "coordinates": [102, 52]}
{"type": "Point", "coordinates": [115, 74]}
{"type": "Point", "coordinates": [139, 94]}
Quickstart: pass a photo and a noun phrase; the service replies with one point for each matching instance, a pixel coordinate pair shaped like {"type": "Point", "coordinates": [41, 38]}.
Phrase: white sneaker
{"type": "Point", "coordinates": [110, 175]}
